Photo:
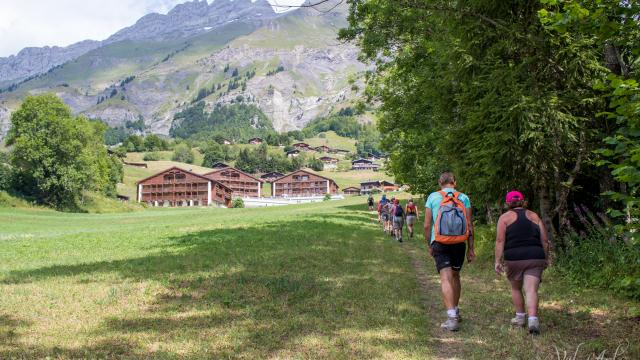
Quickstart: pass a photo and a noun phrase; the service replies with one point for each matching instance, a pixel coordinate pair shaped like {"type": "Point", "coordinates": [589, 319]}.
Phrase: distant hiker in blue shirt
{"type": "Point", "coordinates": [449, 211]}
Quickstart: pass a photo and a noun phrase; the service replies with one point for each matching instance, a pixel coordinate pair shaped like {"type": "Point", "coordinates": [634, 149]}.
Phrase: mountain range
{"type": "Point", "coordinates": [289, 64]}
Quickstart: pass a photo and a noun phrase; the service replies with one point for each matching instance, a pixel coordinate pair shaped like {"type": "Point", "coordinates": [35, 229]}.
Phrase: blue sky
{"type": "Point", "coordinates": [26, 23]}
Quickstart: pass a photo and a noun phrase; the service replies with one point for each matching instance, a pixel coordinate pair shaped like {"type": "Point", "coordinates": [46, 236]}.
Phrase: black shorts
{"type": "Point", "coordinates": [449, 255]}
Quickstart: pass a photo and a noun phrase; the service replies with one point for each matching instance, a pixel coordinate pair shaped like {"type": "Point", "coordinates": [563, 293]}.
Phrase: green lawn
{"type": "Point", "coordinates": [332, 140]}
{"type": "Point", "coordinates": [316, 281]}
{"type": "Point", "coordinates": [354, 178]}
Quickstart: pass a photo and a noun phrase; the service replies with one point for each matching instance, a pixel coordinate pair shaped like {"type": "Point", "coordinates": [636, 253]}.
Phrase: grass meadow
{"type": "Point", "coordinates": [314, 281]}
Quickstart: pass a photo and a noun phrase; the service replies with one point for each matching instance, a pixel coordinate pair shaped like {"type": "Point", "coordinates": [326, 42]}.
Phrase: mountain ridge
{"type": "Point", "coordinates": [152, 80]}
{"type": "Point", "coordinates": [182, 21]}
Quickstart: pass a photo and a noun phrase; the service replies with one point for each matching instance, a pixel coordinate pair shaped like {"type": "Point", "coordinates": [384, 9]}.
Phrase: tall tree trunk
{"type": "Point", "coordinates": [489, 214]}
{"type": "Point", "coordinates": [542, 191]}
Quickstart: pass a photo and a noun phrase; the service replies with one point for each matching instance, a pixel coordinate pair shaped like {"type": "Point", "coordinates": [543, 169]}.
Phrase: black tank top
{"type": "Point", "coordinates": [523, 239]}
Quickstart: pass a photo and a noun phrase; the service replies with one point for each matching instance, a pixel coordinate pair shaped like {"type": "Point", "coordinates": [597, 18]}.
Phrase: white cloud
{"type": "Point", "coordinates": [25, 23]}
{"type": "Point", "coordinates": [63, 22]}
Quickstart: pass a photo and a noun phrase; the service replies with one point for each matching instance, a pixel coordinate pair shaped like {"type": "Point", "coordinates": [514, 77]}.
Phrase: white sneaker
{"type": "Point", "coordinates": [518, 321]}
{"type": "Point", "coordinates": [534, 327]}
{"type": "Point", "coordinates": [452, 324]}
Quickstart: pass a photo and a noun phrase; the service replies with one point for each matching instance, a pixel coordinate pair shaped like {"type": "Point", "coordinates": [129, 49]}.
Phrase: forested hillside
{"type": "Point", "coordinates": [541, 96]}
{"type": "Point", "coordinates": [236, 122]}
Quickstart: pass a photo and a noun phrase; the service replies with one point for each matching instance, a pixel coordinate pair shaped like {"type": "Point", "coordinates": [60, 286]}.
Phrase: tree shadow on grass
{"type": "Point", "coordinates": [310, 288]}
{"type": "Point", "coordinates": [8, 326]}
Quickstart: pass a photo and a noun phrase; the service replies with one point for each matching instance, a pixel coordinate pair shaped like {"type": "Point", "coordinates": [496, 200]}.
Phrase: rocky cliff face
{"type": "Point", "coordinates": [33, 61]}
{"type": "Point", "coordinates": [194, 17]}
{"type": "Point", "coordinates": [172, 57]}
{"type": "Point", "coordinates": [182, 21]}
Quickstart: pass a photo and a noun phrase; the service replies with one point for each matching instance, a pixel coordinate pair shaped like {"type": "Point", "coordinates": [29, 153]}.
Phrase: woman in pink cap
{"type": "Point", "coordinates": [522, 240]}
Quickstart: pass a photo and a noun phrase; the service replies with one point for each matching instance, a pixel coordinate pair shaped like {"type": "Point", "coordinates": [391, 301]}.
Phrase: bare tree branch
{"type": "Point", "coordinates": [312, 5]}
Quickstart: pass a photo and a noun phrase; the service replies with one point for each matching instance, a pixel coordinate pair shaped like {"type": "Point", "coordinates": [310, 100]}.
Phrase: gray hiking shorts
{"type": "Point", "coordinates": [411, 219]}
{"type": "Point", "coordinates": [398, 222]}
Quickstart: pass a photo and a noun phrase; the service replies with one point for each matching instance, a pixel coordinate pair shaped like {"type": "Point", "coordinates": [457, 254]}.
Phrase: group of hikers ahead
{"type": "Point", "coordinates": [392, 216]}
{"type": "Point", "coordinates": [522, 246]}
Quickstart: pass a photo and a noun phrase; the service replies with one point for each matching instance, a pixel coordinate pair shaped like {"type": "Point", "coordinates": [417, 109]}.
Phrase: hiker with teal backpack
{"type": "Point", "coordinates": [449, 211]}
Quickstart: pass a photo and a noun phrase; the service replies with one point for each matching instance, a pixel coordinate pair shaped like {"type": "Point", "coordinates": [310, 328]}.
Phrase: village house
{"type": "Point", "coordinates": [380, 185]}
{"type": "Point", "coordinates": [242, 184]}
{"type": "Point", "coordinates": [329, 162]}
{"type": "Point", "coordinates": [135, 164]}
{"type": "Point", "coordinates": [302, 146]}
{"type": "Point", "coordinates": [256, 141]}
{"type": "Point", "coordinates": [271, 176]}
{"type": "Point", "coordinates": [179, 187]}
{"type": "Point", "coordinates": [302, 183]}
{"type": "Point", "coordinates": [219, 165]}
{"type": "Point", "coordinates": [322, 149]}
{"type": "Point", "coordinates": [364, 164]}
{"type": "Point", "coordinates": [351, 190]}
{"type": "Point", "coordinates": [293, 153]}
{"type": "Point", "coordinates": [339, 151]}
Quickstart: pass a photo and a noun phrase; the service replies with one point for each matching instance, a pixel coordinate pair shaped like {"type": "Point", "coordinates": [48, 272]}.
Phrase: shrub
{"type": "Point", "coordinates": [6, 175]}
{"type": "Point", "coordinates": [237, 203]}
{"type": "Point", "coordinates": [597, 260]}
{"type": "Point", "coordinates": [327, 197]}
{"type": "Point", "coordinates": [183, 153]}
{"type": "Point", "coordinates": [56, 156]}
{"type": "Point", "coordinates": [316, 164]}
{"type": "Point", "coordinates": [151, 156]}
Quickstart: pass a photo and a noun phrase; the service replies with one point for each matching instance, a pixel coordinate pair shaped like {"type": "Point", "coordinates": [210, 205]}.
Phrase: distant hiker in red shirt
{"type": "Point", "coordinates": [412, 215]}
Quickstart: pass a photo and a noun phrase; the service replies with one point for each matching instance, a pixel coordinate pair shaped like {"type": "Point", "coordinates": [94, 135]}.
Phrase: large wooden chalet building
{"type": "Point", "coordinates": [242, 184]}
{"type": "Point", "coordinates": [179, 187]}
{"type": "Point", "coordinates": [303, 183]}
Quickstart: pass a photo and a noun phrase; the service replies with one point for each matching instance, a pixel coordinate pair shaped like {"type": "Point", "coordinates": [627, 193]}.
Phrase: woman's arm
{"type": "Point", "coordinates": [544, 237]}
{"type": "Point", "coordinates": [500, 239]}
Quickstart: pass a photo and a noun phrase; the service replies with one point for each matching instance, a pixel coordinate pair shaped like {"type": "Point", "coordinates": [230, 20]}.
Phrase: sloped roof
{"type": "Point", "coordinates": [233, 169]}
{"type": "Point", "coordinates": [306, 172]}
{"type": "Point", "coordinates": [361, 160]}
{"type": "Point", "coordinates": [272, 173]}
{"type": "Point", "coordinates": [183, 170]}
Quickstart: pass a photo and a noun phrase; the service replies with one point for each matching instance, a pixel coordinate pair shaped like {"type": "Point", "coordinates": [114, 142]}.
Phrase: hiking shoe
{"type": "Point", "coordinates": [518, 321]}
{"type": "Point", "coordinates": [400, 240]}
{"type": "Point", "coordinates": [451, 324]}
{"type": "Point", "coordinates": [458, 315]}
{"type": "Point", "coordinates": [534, 327]}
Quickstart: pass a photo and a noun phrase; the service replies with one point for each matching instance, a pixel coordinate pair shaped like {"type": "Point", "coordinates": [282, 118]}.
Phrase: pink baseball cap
{"type": "Point", "coordinates": [514, 196]}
